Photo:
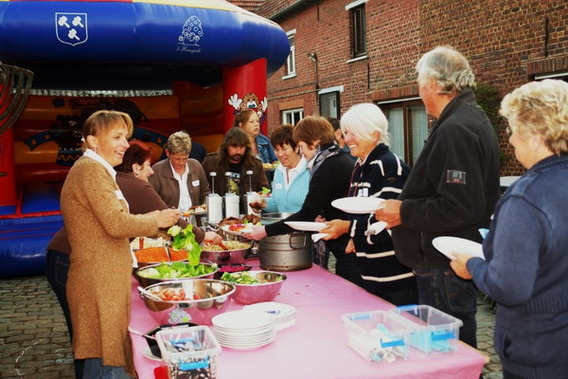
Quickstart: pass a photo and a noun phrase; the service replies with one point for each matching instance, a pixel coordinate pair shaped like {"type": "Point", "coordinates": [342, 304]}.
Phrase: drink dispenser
{"type": "Point", "coordinates": [250, 197]}
{"type": "Point", "coordinates": [231, 199]}
{"type": "Point", "coordinates": [214, 203]}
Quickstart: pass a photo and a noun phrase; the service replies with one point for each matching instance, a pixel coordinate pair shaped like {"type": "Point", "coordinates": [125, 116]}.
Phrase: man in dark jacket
{"type": "Point", "coordinates": [452, 188]}
{"type": "Point", "coordinates": [235, 158]}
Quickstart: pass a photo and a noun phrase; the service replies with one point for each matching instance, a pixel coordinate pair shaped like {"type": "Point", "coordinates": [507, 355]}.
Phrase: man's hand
{"type": "Point", "coordinates": [389, 212]}
{"type": "Point", "coordinates": [459, 265]}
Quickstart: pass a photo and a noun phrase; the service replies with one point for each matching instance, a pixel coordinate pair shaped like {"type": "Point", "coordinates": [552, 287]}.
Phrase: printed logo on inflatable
{"type": "Point", "coordinates": [190, 35]}
{"type": "Point", "coordinates": [71, 28]}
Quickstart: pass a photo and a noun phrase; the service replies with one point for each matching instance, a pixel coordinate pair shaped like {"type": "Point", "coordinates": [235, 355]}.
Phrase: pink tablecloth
{"type": "Point", "coordinates": [316, 346]}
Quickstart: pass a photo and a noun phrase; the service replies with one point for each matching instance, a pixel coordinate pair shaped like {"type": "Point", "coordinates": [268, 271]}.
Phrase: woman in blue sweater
{"type": "Point", "coordinates": [526, 267]}
{"type": "Point", "coordinates": [377, 173]}
{"type": "Point", "coordinates": [291, 178]}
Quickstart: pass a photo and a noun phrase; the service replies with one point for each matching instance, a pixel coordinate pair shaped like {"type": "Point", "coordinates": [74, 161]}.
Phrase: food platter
{"type": "Point", "coordinates": [306, 225]}
{"type": "Point", "coordinates": [358, 205]}
{"type": "Point", "coordinates": [450, 245]}
{"type": "Point", "coordinates": [196, 210]}
{"type": "Point", "coordinates": [237, 229]}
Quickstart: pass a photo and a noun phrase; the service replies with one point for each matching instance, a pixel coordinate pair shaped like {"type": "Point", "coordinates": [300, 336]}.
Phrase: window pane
{"type": "Point", "coordinates": [291, 61]}
{"type": "Point", "coordinates": [396, 130]}
{"type": "Point", "coordinates": [329, 104]}
{"type": "Point", "coordinates": [419, 128]}
{"type": "Point", "coordinates": [292, 116]}
{"type": "Point", "coordinates": [358, 31]}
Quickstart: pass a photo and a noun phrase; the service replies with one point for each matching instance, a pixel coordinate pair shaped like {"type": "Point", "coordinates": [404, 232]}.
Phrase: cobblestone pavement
{"type": "Point", "coordinates": [34, 341]}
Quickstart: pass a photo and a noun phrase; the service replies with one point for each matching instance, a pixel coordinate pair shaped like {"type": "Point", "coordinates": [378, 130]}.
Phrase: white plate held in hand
{"type": "Point", "coordinates": [306, 225]}
{"type": "Point", "coordinates": [450, 245]}
{"type": "Point", "coordinates": [358, 205]}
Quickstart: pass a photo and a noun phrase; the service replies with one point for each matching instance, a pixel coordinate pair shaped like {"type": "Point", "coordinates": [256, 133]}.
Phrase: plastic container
{"type": "Point", "coordinates": [189, 352]}
{"type": "Point", "coordinates": [378, 336]}
{"type": "Point", "coordinates": [432, 329]}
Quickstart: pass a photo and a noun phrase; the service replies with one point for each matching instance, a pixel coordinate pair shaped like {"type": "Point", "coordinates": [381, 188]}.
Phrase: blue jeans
{"type": "Point", "coordinates": [94, 369]}
{"type": "Point", "coordinates": [56, 270]}
{"type": "Point", "coordinates": [442, 289]}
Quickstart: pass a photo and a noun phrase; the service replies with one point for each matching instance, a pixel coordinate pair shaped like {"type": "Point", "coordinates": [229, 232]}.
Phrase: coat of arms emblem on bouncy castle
{"type": "Point", "coordinates": [71, 28]}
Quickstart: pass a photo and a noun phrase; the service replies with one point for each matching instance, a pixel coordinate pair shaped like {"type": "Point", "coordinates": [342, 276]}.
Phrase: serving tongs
{"type": "Point", "coordinates": [149, 294]}
{"type": "Point", "coordinates": [134, 331]}
{"type": "Point", "coordinates": [212, 226]}
{"type": "Point", "coordinates": [167, 248]}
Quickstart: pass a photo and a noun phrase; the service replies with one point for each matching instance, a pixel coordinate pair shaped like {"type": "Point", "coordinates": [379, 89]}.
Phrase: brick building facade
{"type": "Point", "coordinates": [508, 43]}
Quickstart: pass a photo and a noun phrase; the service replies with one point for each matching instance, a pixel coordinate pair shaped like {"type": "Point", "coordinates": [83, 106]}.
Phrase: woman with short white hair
{"type": "Point", "coordinates": [377, 173]}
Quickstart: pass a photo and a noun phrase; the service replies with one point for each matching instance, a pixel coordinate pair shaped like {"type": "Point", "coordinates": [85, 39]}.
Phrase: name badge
{"type": "Point", "coordinates": [195, 183]}
{"type": "Point", "coordinates": [278, 186]}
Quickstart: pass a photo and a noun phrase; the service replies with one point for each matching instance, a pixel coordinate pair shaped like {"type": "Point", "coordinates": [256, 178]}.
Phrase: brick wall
{"type": "Point", "coordinates": [506, 42]}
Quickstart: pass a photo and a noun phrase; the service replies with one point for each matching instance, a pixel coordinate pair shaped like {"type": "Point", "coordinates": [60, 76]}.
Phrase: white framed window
{"type": "Point", "coordinates": [408, 127]}
{"type": "Point", "coordinates": [329, 103]}
{"type": "Point", "coordinates": [291, 60]}
{"type": "Point", "coordinates": [292, 116]}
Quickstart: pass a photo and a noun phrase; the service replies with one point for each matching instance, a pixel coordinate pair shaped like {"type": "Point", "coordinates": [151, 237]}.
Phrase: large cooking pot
{"type": "Point", "coordinates": [288, 252]}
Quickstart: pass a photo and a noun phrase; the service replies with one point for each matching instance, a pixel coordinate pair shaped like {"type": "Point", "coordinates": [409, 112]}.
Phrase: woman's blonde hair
{"type": "Point", "coordinates": [540, 108]}
{"type": "Point", "coordinates": [102, 122]}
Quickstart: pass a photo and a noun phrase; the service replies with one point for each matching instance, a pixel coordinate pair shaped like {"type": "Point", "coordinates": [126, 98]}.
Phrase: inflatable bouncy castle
{"type": "Point", "coordinates": [171, 64]}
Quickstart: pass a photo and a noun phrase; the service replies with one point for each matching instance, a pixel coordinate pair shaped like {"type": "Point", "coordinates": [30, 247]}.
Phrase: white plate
{"type": "Point", "coordinates": [148, 354]}
{"type": "Point", "coordinates": [358, 205]}
{"type": "Point", "coordinates": [225, 228]}
{"type": "Point", "coordinates": [449, 245]}
{"type": "Point", "coordinates": [239, 320]}
{"type": "Point", "coordinates": [306, 225]}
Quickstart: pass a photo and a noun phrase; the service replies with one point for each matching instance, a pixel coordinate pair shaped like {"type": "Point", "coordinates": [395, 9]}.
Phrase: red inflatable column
{"type": "Point", "coordinates": [245, 87]}
{"type": "Point", "coordinates": [8, 197]}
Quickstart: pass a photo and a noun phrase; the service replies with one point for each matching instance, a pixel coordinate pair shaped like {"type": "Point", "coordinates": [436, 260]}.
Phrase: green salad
{"type": "Point", "coordinates": [245, 277]}
{"type": "Point", "coordinates": [175, 270]}
{"type": "Point", "coordinates": [183, 239]}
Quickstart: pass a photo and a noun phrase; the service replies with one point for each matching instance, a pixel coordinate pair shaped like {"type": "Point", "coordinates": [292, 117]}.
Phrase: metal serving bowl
{"type": "Point", "coordinates": [146, 281]}
{"type": "Point", "coordinates": [258, 293]}
{"type": "Point", "coordinates": [230, 256]}
{"type": "Point", "coordinates": [204, 299]}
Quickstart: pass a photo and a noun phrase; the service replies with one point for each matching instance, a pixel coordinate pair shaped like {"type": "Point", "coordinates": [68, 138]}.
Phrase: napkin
{"type": "Point", "coordinates": [318, 236]}
{"type": "Point", "coordinates": [375, 228]}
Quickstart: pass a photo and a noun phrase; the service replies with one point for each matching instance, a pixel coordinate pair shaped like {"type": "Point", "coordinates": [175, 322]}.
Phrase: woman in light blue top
{"type": "Point", "coordinates": [291, 177]}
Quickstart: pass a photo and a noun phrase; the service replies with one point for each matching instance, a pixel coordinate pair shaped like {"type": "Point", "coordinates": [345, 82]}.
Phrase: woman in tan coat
{"type": "Point", "coordinates": [99, 225]}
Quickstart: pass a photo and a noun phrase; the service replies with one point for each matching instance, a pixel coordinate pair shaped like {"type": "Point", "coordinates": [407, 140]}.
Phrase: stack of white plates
{"type": "Point", "coordinates": [284, 315]}
{"type": "Point", "coordinates": [244, 329]}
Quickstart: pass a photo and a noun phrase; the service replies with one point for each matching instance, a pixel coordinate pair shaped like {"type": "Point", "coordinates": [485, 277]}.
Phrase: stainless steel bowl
{"type": "Point", "coordinates": [146, 281]}
{"type": "Point", "coordinates": [258, 293]}
{"type": "Point", "coordinates": [204, 299]}
{"type": "Point", "coordinates": [231, 256]}
{"type": "Point", "coordinates": [271, 217]}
